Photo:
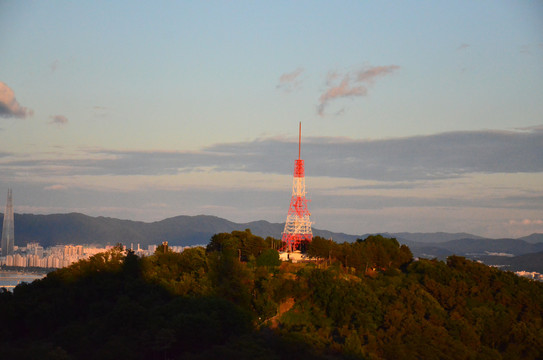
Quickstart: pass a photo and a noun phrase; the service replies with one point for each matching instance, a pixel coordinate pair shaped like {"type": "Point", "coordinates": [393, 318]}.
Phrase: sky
{"type": "Point", "coordinates": [417, 116]}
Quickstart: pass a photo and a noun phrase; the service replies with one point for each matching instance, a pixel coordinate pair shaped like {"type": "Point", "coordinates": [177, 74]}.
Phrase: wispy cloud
{"type": "Point", "coordinates": [526, 222]}
{"type": "Point", "coordinates": [53, 66]}
{"type": "Point", "coordinates": [100, 111]}
{"type": "Point", "coordinates": [351, 84]}
{"type": "Point", "coordinates": [290, 81]}
{"type": "Point", "coordinates": [55, 187]}
{"type": "Point", "coordinates": [369, 75]}
{"type": "Point", "coordinates": [432, 157]}
{"type": "Point", "coordinates": [344, 89]}
{"type": "Point", "coordinates": [463, 46]}
{"type": "Point", "coordinates": [440, 182]}
{"type": "Point", "coordinates": [530, 128]}
{"type": "Point", "coordinates": [9, 107]}
{"type": "Point", "coordinates": [523, 226]}
{"type": "Point", "coordinates": [531, 49]}
{"type": "Point", "coordinates": [58, 120]}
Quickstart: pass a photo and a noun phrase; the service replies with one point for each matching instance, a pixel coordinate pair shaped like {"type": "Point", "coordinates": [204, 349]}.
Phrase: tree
{"type": "Point", "coordinates": [243, 242]}
{"type": "Point", "coordinates": [269, 258]}
{"type": "Point", "coordinates": [382, 253]}
{"type": "Point", "coordinates": [321, 248]}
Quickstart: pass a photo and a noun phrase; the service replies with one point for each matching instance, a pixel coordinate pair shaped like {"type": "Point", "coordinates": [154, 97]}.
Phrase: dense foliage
{"type": "Point", "coordinates": [365, 300]}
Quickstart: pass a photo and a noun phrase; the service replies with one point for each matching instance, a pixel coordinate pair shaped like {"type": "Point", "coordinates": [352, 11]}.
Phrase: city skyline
{"type": "Point", "coordinates": [417, 117]}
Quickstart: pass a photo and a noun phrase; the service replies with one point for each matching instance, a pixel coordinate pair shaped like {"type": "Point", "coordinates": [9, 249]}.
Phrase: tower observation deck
{"type": "Point", "coordinates": [298, 225]}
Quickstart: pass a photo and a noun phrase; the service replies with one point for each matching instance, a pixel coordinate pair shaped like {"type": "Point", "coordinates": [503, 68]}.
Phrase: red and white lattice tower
{"type": "Point", "coordinates": [298, 225]}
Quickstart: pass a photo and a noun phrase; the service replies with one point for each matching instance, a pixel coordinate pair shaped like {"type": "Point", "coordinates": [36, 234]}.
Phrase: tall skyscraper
{"type": "Point", "coordinates": [8, 230]}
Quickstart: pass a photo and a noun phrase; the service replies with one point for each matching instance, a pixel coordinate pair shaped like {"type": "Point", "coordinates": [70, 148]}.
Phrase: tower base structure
{"type": "Point", "coordinates": [295, 241]}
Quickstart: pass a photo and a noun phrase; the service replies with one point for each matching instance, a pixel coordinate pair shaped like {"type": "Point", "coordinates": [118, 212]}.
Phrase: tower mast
{"type": "Point", "coordinates": [8, 228]}
{"type": "Point", "coordinates": [300, 140]}
{"type": "Point", "coordinates": [298, 225]}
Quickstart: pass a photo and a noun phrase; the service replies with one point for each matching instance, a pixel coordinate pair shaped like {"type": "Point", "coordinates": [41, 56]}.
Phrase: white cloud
{"type": "Point", "coordinates": [9, 107]}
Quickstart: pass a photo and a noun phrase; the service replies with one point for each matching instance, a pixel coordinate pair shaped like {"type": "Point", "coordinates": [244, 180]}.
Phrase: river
{"type": "Point", "coordinates": [10, 279]}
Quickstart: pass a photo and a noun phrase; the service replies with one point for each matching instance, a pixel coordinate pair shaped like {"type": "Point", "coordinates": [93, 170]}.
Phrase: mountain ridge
{"type": "Point", "coordinates": [182, 230]}
{"type": "Point", "coordinates": [188, 230]}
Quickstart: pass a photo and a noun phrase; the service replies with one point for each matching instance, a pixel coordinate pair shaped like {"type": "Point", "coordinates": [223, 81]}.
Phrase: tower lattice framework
{"type": "Point", "coordinates": [8, 231]}
{"type": "Point", "coordinates": [298, 225]}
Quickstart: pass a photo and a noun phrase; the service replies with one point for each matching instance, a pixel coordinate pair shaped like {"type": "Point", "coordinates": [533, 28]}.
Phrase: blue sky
{"type": "Point", "coordinates": [417, 116]}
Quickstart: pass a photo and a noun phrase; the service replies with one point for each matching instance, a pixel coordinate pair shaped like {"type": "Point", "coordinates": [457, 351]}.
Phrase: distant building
{"type": "Point", "coordinates": [295, 256]}
{"type": "Point", "coordinates": [8, 231]}
{"type": "Point", "coordinates": [530, 275]}
{"type": "Point", "coordinates": [59, 256]}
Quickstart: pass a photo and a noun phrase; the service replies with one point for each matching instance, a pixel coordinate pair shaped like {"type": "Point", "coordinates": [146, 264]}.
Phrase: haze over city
{"type": "Point", "coordinates": [416, 116]}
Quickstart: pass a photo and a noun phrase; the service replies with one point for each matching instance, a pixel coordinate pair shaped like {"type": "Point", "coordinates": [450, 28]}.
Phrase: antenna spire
{"type": "Point", "coordinates": [300, 141]}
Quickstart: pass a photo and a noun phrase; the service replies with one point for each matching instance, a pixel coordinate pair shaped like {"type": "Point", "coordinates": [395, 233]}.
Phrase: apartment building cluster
{"type": "Point", "coordinates": [34, 255]}
{"type": "Point", "coordinates": [59, 256]}
{"type": "Point", "coordinates": [530, 275]}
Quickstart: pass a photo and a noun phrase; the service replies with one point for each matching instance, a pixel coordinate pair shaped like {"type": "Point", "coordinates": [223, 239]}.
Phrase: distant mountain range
{"type": "Point", "coordinates": [527, 262]}
{"type": "Point", "coordinates": [437, 237]}
{"type": "Point", "coordinates": [525, 253]}
{"type": "Point", "coordinates": [75, 228]}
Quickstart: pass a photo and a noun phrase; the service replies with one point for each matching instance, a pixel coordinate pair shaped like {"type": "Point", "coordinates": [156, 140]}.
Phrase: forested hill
{"type": "Point", "coordinates": [367, 300]}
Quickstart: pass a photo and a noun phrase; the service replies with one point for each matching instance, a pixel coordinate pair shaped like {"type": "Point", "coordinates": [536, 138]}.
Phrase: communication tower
{"type": "Point", "coordinates": [298, 225]}
{"type": "Point", "coordinates": [8, 229]}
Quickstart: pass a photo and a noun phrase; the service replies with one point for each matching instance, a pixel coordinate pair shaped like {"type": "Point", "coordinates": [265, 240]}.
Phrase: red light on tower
{"type": "Point", "coordinates": [298, 225]}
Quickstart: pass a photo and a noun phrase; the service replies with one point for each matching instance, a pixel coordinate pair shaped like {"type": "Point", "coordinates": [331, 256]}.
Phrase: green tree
{"type": "Point", "coordinates": [322, 248]}
{"type": "Point", "coordinates": [230, 278]}
{"type": "Point", "coordinates": [243, 242]}
{"type": "Point", "coordinates": [269, 258]}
